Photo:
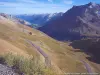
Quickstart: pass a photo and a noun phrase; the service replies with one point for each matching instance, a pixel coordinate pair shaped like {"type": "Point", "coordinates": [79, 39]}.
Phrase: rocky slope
{"type": "Point", "coordinates": [79, 21]}
{"type": "Point", "coordinates": [5, 70]}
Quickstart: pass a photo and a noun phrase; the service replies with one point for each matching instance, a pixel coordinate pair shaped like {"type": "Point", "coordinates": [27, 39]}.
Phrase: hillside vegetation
{"type": "Point", "coordinates": [13, 39]}
{"type": "Point", "coordinates": [26, 66]}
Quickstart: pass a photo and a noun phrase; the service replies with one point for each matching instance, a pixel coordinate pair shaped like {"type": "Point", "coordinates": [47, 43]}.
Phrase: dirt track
{"type": "Point", "coordinates": [47, 60]}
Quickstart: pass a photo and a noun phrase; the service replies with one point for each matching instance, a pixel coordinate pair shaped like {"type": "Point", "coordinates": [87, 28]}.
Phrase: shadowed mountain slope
{"type": "Point", "coordinates": [77, 22]}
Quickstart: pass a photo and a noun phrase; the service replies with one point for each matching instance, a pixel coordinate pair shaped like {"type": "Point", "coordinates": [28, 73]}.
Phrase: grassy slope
{"type": "Point", "coordinates": [62, 57]}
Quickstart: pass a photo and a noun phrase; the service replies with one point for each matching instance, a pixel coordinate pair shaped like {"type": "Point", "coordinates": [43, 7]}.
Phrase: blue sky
{"type": "Point", "coordinates": [39, 6]}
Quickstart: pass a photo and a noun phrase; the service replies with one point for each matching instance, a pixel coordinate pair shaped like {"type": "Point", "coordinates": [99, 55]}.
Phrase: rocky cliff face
{"type": "Point", "coordinates": [79, 21]}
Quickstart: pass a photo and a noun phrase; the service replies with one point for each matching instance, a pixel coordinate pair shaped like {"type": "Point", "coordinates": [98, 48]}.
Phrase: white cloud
{"type": "Point", "coordinates": [68, 1]}
{"type": "Point", "coordinates": [33, 6]}
{"type": "Point", "coordinates": [50, 0]}
{"type": "Point", "coordinates": [28, 1]}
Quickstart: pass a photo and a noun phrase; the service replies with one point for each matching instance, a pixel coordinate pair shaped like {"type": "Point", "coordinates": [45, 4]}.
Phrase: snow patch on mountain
{"type": "Point", "coordinates": [39, 19]}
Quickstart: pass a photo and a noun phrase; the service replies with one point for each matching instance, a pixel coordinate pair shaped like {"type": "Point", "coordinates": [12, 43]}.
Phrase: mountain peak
{"type": "Point", "coordinates": [83, 20]}
{"type": "Point", "coordinates": [91, 4]}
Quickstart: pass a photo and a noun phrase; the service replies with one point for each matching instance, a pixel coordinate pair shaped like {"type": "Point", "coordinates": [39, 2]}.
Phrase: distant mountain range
{"type": "Point", "coordinates": [77, 22]}
{"type": "Point", "coordinates": [39, 19]}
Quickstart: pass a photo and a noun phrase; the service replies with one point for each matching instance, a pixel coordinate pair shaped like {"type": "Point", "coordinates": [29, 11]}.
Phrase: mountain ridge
{"type": "Point", "coordinates": [78, 21]}
{"type": "Point", "coordinates": [39, 19]}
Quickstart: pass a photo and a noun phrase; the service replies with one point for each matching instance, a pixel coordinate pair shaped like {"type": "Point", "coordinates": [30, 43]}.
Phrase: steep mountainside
{"type": "Point", "coordinates": [39, 19]}
{"type": "Point", "coordinates": [14, 38]}
{"type": "Point", "coordinates": [79, 21]}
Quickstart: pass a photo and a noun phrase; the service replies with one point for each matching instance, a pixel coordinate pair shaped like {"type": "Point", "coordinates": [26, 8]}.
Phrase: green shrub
{"type": "Point", "coordinates": [27, 66]}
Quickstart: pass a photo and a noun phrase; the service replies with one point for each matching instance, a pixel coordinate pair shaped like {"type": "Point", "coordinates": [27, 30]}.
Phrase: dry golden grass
{"type": "Point", "coordinates": [27, 66]}
{"type": "Point", "coordinates": [13, 39]}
